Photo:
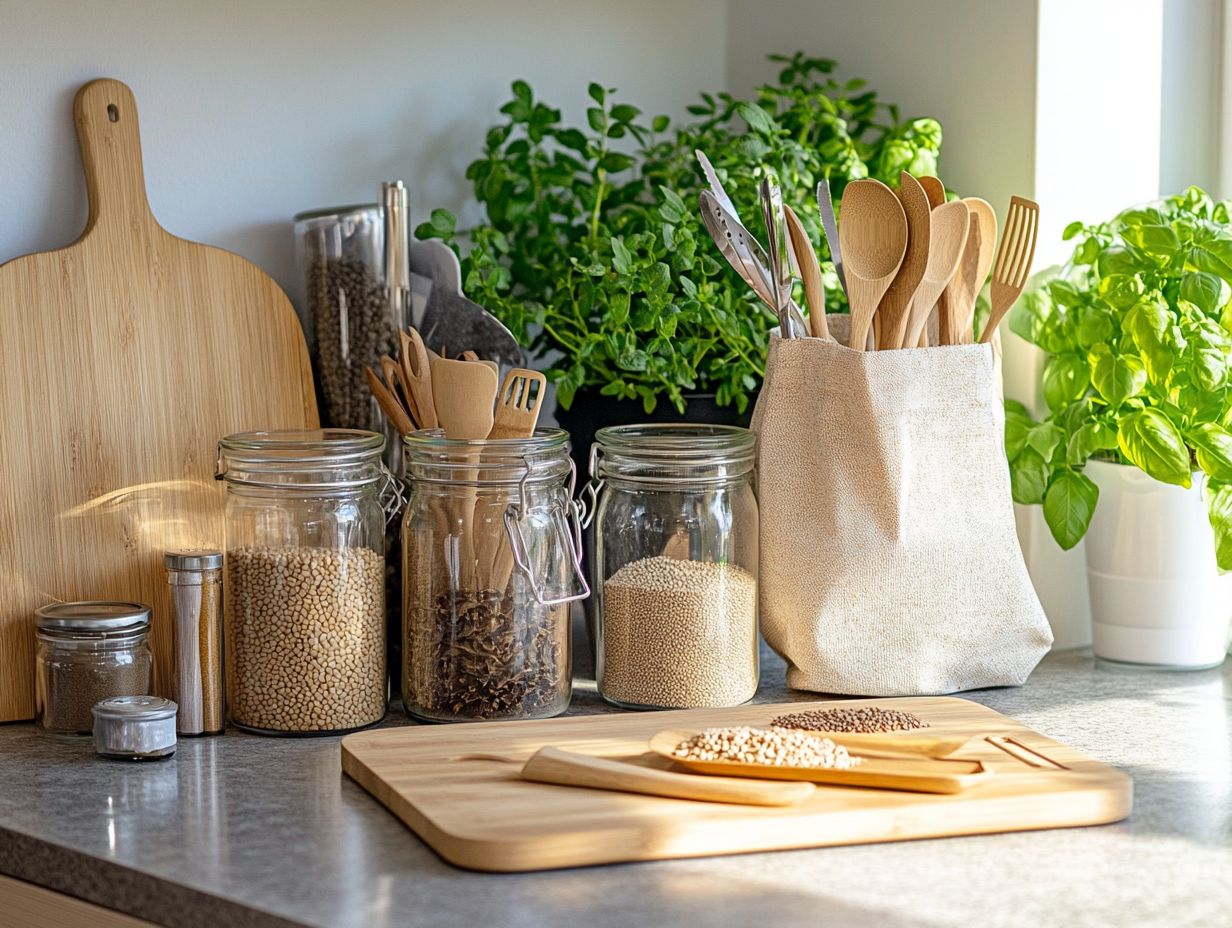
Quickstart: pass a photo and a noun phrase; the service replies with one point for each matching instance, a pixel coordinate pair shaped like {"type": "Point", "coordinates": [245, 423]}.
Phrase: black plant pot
{"type": "Point", "coordinates": [590, 412]}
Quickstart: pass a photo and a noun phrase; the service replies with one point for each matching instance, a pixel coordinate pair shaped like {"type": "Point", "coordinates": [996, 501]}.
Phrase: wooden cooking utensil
{"type": "Point", "coordinates": [896, 304]}
{"type": "Point", "coordinates": [957, 305]}
{"type": "Point", "coordinates": [568, 768]}
{"type": "Point", "coordinates": [934, 189]}
{"type": "Point", "coordinates": [389, 403]}
{"type": "Point", "coordinates": [947, 238]}
{"type": "Point", "coordinates": [873, 236]}
{"type": "Point", "coordinates": [392, 376]}
{"type": "Point", "coordinates": [905, 744]}
{"type": "Point", "coordinates": [810, 273]}
{"type": "Point", "coordinates": [171, 345]}
{"type": "Point", "coordinates": [417, 375]}
{"type": "Point", "coordinates": [915, 774]}
{"type": "Point", "coordinates": [518, 404]}
{"type": "Point", "coordinates": [1012, 266]}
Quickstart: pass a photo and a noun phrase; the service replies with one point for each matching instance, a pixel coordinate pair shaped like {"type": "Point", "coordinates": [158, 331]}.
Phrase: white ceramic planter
{"type": "Point", "coordinates": [1156, 594]}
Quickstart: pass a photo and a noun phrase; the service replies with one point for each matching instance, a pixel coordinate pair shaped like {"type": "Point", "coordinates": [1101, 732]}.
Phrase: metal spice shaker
{"type": "Point", "coordinates": [195, 577]}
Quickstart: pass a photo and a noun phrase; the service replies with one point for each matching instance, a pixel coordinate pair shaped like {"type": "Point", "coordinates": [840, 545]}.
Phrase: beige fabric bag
{"type": "Point", "coordinates": [889, 561]}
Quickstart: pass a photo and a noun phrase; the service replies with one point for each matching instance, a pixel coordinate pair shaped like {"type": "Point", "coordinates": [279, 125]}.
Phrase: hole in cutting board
{"type": "Point", "coordinates": [113, 112]}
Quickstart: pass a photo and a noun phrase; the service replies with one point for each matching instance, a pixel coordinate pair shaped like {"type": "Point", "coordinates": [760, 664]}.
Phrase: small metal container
{"type": "Point", "coordinates": [135, 728]}
{"type": "Point", "coordinates": [195, 577]}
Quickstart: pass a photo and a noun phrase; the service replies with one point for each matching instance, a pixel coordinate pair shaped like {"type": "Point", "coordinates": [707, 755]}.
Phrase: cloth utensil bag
{"type": "Point", "coordinates": [890, 565]}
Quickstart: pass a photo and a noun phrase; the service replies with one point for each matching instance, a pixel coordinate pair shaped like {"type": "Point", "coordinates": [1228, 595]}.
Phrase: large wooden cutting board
{"type": "Point", "coordinates": [126, 356]}
{"type": "Point", "coordinates": [478, 813]}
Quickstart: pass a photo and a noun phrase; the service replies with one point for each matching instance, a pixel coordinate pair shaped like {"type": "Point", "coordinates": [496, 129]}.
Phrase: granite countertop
{"type": "Point", "coordinates": [248, 831]}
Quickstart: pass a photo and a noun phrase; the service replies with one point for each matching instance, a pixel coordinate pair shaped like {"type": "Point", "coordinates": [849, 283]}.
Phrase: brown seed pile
{"type": "Point", "coordinates": [71, 682]}
{"type": "Point", "coordinates": [775, 746]}
{"type": "Point", "coordinates": [482, 655]}
{"type": "Point", "coordinates": [350, 316]}
{"type": "Point", "coordinates": [305, 638]}
{"type": "Point", "coordinates": [679, 634]}
{"type": "Point", "coordinates": [857, 719]}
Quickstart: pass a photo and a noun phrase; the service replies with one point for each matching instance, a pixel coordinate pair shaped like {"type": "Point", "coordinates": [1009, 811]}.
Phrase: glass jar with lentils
{"type": "Point", "coordinates": [304, 586]}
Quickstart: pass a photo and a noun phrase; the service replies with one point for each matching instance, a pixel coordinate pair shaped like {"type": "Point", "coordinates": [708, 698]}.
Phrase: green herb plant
{"type": "Point", "coordinates": [593, 251]}
{"type": "Point", "coordinates": [1136, 328]}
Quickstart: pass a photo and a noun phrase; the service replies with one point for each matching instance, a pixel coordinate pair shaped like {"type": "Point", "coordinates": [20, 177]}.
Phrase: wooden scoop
{"type": "Point", "coordinates": [873, 237]}
{"type": "Point", "coordinates": [957, 306]}
{"type": "Point", "coordinates": [946, 240]}
{"type": "Point", "coordinates": [896, 304]}
{"type": "Point", "coordinates": [566, 768]}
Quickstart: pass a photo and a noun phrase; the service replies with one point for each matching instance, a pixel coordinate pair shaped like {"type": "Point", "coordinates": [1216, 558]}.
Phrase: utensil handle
{"type": "Point", "coordinates": [565, 768]}
{"type": "Point", "coordinates": [105, 113]}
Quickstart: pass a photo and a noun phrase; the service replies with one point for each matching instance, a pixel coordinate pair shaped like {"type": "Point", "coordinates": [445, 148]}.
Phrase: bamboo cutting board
{"type": "Point", "coordinates": [126, 356]}
{"type": "Point", "coordinates": [478, 813]}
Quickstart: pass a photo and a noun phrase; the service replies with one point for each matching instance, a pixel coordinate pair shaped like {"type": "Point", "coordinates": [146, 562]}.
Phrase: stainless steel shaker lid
{"type": "Point", "coordinates": [135, 708]}
{"type": "Point", "coordinates": [93, 615]}
{"type": "Point", "coordinates": [193, 559]}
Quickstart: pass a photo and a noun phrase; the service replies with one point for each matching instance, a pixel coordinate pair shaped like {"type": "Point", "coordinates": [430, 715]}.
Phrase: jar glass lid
{"type": "Point", "coordinates": [135, 708]}
{"type": "Point", "coordinates": [94, 615]}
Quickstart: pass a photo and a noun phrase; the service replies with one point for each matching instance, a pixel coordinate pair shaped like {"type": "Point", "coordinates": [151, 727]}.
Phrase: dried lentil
{"type": "Point", "coordinates": [777, 747]}
{"type": "Point", "coordinates": [852, 720]}
{"type": "Point", "coordinates": [679, 633]}
{"type": "Point", "coordinates": [305, 638]}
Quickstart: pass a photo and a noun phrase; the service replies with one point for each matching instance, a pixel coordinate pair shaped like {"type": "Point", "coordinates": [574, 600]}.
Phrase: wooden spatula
{"type": "Point", "coordinates": [873, 236]}
{"type": "Point", "coordinates": [810, 273]}
{"type": "Point", "coordinates": [567, 768]}
{"type": "Point", "coordinates": [895, 306]}
{"type": "Point", "coordinates": [946, 240]}
{"type": "Point", "coordinates": [518, 404]}
{"type": "Point", "coordinates": [417, 375]}
{"type": "Point", "coordinates": [1013, 264]}
{"type": "Point", "coordinates": [957, 305]}
{"type": "Point", "coordinates": [934, 189]}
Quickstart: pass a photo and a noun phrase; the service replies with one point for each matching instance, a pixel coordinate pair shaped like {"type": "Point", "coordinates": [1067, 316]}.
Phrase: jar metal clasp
{"type": "Point", "coordinates": [570, 527]}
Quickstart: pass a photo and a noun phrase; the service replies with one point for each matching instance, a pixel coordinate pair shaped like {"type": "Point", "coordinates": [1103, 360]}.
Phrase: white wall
{"type": "Point", "coordinates": [251, 112]}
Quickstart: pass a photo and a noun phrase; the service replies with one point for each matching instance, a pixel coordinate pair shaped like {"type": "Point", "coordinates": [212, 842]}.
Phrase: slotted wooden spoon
{"type": "Point", "coordinates": [957, 306]}
{"type": "Point", "coordinates": [873, 237]}
{"type": "Point", "coordinates": [810, 273]}
{"type": "Point", "coordinates": [947, 238]}
{"type": "Point", "coordinates": [1012, 266]}
{"type": "Point", "coordinates": [896, 304]}
{"type": "Point", "coordinates": [518, 404]}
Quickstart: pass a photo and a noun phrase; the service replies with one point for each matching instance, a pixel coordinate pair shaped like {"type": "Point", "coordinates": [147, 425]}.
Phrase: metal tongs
{"type": "Point", "coordinates": [768, 276]}
{"type": "Point", "coordinates": [781, 276]}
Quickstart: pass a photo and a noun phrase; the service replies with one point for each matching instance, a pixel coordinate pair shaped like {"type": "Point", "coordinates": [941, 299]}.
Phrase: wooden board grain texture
{"type": "Point", "coordinates": [481, 815]}
{"type": "Point", "coordinates": [126, 356]}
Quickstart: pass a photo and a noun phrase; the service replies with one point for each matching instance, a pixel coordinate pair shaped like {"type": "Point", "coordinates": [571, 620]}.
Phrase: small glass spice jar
{"type": "Point", "coordinates": [195, 578]}
{"type": "Point", "coordinates": [134, 728]}
{"type": "Point", "coordinates": [304, 587]}
{"type": "Point", "coordinates": [88, 651]}
{"type": "Point", "coordinates": [491, 562]}
{"type": "Point", "coordinates": [675, 567]}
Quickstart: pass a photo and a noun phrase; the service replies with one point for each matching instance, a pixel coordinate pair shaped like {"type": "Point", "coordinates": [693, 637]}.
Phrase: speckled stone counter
{"type": "Point", "coordinates": [247, 831]}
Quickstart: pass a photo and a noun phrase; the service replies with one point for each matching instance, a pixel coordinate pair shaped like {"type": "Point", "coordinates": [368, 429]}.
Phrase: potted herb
{"type": "Point", "coordinates": [594, 254]}
{"type": "Point", "coordinates": [1136, 329]}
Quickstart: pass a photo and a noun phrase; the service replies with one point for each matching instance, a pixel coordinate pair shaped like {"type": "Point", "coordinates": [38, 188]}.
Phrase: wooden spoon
{"type": "Point", "coordinates": [416, 374]}
{"type": "Point", "coordinates": [946, 240]}
{"type": "Point", "coordinates": [389, 403]}
{"type": "Point", "coordinates": [895, 306]}
{"type": "Point", "coordinates": [956, 326]}
{"type": "Point", "coordinates": [810, 273]}
{"type": "Point", "coordinates": [568, 768]}
{"type": "Point", "coordinates": [934, 189]}
{"type": "Point", "coordinates": [873, 237]}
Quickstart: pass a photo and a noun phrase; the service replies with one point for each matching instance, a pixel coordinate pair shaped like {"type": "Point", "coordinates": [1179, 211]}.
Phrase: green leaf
{"type": "Point", "coordinates": [1157, 240]}
{"type": "Point", "coordinates": [1028, 478]}
{"type": "Point", "coordinates": [622, 258]}
{"type": "Point", "coordinates": [1215, 257]}
{"type": "Point", "coordinates": [1213, 446]}
{"type": "Point", "coordinates": [1069, 505]}
{"type": "Point", "coordinates": [660, 123]}
{"type": "Point", "coordinates": [1045, 439]}
{"type": "Point", "coordinates": [1204, 290]}
{"type": "Point", "coordinates": [1116, 377]}
{"type": "Point", "coordinates": [1066, 378]}
{"type": "Point", "coordinates": [1090, 438]}
{"type": "Point", "coordinates": [624, 112]}
{"type": "Point", "coordinates": [1219, 511]}
{"type": "Point", "coordinates": [1018, 425]}
{"type": "Point", "coordinates": [596, 118]}
{"type": "Point", "coordinates": [757, 118]}
{"type": "Point", "coordinates": [1151, 441]}
{"type": "Point", "coordinates": [1071, 230]}
{"type": "Point", "coordinates": [596, 92]}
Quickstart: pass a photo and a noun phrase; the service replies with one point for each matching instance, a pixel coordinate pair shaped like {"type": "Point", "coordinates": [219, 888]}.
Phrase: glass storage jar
{"type": "Point", "coordinates": [675, 570]}
{"type": "Point", "coordinates": [491, 562]}
{"type": "Point", "coordinates": [87, 652]}
{"type": "Point", "coordinates": [304, 580]}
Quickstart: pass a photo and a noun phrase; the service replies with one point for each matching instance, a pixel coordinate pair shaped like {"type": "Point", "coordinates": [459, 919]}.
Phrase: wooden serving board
{"type": "Point", "coordinates": [479, 814]}
{"type": "Point", "coordinates": [126, 356]}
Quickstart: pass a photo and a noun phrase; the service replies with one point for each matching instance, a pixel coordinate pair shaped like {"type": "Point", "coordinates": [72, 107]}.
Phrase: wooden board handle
{"type": "Point", "coordinates": [105, 112]}
{"type": "Point", "coordinates": [565, 768]}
